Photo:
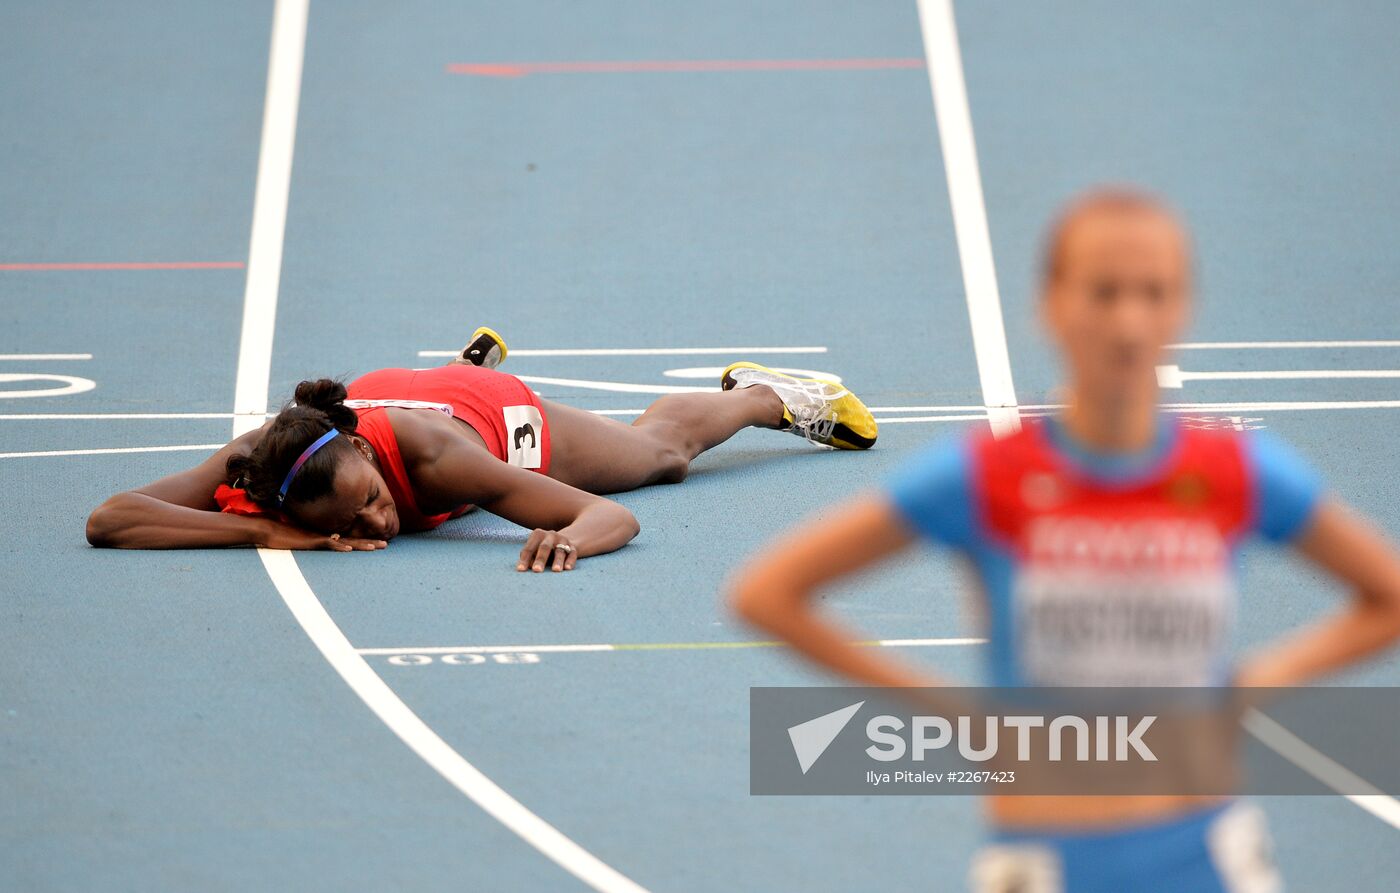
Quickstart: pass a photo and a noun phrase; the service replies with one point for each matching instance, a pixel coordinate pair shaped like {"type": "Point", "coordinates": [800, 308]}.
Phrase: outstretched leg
{"type": "Point", "coordinates": [603, 455]}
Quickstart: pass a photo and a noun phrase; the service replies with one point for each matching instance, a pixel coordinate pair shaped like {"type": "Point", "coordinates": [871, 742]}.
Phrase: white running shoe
{"type": "Point", "coordinates": [822, 411]}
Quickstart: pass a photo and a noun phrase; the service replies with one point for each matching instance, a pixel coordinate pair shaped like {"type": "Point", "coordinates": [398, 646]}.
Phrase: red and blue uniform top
{"type": "Point", "coordinates": [1107, 569]}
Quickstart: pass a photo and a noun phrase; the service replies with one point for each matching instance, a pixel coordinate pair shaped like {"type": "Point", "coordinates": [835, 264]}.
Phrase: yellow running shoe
{"type": "Point", "coordinates": [821, 411]}
{"type": "Point", "coordinates": [485, 349]}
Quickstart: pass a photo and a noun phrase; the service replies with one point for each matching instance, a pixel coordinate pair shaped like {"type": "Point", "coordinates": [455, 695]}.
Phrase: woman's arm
{"type": "Point", "coordinates": [775, 590]}
{"type": "Point", "coordinates": [1351, 550]}
{"type": "Point", "coordinates": [179, 512]}
{"type": "Point", "coordinates": [458, 472]}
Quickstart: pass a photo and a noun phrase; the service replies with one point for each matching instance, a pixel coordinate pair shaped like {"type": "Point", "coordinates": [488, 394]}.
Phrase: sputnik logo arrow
{"type": "Point", "coordinates": [810, 739]}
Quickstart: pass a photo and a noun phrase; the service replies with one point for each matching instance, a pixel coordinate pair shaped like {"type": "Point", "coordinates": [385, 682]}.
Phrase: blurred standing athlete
{"type": "Point", "coordinates": [1104, 540]}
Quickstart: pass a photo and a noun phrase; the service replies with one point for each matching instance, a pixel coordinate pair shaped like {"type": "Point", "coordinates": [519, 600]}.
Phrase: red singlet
{"type": "Point", "coordinates": [499, 407]}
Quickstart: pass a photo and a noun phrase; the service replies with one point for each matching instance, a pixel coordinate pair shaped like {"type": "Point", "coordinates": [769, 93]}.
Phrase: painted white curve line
{"type": "Point", "coordinates": [950, 107]}
{"type": "Point", "coordinates": [633, 351]}
{"type": "Point", "coordinates": [250, 408]}
{"type": "Point", "coordinates": [68, 385]}
{"type": "Point", "coordinates": [1322, 767]}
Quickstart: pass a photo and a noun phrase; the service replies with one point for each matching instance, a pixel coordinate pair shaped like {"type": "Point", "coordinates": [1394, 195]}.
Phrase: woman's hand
{"type": "Point", "coordinates": [459, 472]}
{"type": "Point", "coordinates": [1358, 555]}
{"type": "Point", "coordinates": [547, 548]}
{"type": "Point", "coordinates": [285, 536]}
{"type": "Point", "coordinates": [776, 591]}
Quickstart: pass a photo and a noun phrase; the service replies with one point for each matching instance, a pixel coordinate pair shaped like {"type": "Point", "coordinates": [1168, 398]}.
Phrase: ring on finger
{"type": "Point", "coordinates": [565, 548]}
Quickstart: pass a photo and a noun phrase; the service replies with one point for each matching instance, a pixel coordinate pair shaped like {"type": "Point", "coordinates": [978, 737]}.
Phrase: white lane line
{"type": "Point", "coordinates": [928, 643]}
{"type": "Point", "coordinates": [274, 184]}
{"type": "Point", "coordinates": [1286, 374]}
{"type": "Point", "coordinates": [633, 351]}
{"type": "Point", "coordinates": [945, 65]}
{"type": "Point", "coordinates": [945, 413]}
{"type": "Point", "coordinates": [652, 646]}
{"type": "Point", "coordinates": [161, 416]}
{"type": "Point", "coordinates": [713, 372]}
{"type": "Point", "coordinates": [945, 74]}
{"type": "Point", "coordinates": [1322, 767]}
{"type": "Point", "coordinates": [616, 386]}
{"type": "Point", "coordinates": [113, 450]}
{"type": "Point", "coordinates": [1172, 376]}
{"type": "Point", "coordinates": [901, 420]}
{"type": "Point", "coordinates": [1278, 345]}
{"type": "Point", "coordinates": [1026, 411]}
{"type": "Point", "coordinates": [1281, 406]}
{"type": "Point", "coordinates": [45, 356]}
{"type": "Point", "coordinates": [698, 351]}
{"type": "Point", "coordinates": [250, 405]}
{"type": "Point", "coordinates": [115, 416]}
{"type": "Point", "coordinates": [977, 409]}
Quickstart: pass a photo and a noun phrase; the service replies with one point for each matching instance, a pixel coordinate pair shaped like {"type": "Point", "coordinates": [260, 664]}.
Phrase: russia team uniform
{"type": "Point", "coordinates": [499, 407]}
{"type": "Point", "coordinates": [1112, 570]}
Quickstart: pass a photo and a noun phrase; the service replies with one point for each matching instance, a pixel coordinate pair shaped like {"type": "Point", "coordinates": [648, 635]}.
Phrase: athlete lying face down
{"type": "Point", "coordinates": [1104, 540]}
{"type": "Point", "coordinates": [400, 450]}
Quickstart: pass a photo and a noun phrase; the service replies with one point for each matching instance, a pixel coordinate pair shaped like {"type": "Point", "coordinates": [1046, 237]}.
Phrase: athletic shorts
{"type": "Point", "coordinates": [1225, 849]}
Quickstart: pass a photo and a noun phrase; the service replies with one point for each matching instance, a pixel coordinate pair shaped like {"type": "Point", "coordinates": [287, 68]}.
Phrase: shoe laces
{"type": "Point", "coordinates": [815, 422]}
{"type": "Point", "coordinates": [813, 408]}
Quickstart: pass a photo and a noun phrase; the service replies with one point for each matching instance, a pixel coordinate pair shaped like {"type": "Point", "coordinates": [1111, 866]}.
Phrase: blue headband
{"type": "Point", "coordinates": [301, 460]}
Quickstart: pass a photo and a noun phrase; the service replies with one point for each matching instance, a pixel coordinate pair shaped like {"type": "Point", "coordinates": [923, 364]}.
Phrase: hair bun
{"type": "Point", "coordinates": [322, 394]}
{"type": "Point", "coordinates": [328, 396]}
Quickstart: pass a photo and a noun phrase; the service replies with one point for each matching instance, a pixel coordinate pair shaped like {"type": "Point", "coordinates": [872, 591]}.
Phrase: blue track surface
{"type": "Point", "coordinates": [165, 724]}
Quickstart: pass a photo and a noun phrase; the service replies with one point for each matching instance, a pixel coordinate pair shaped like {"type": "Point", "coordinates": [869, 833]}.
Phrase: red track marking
{"type": "Point", "coordinates": [173, 265]}
{"type": "Point", "coordinates": [520, 69]}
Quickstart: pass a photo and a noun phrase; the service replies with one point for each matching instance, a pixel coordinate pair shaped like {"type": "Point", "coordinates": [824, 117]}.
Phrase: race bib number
{"type": "Point", "coordinates": [1145, 602]}
{"type": "Point", "coordinates": [524, 436]}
